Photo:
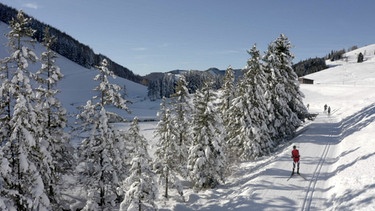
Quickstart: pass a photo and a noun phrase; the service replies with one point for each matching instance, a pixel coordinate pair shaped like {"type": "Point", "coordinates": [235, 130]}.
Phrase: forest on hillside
{"type": "Point", "coordinates": [69, 47]}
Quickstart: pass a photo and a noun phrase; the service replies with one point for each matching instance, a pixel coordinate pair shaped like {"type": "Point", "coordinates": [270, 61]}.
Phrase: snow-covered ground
{"type": "Point", "coordinates": [337, 150]}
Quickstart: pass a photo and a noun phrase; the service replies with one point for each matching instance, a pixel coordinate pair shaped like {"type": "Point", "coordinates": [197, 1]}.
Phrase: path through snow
{"type": "Point", "coordinates": [265, 185]}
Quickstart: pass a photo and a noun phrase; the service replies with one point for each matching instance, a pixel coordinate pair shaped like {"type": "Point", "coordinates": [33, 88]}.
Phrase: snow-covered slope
{"type": "Point", "coordinates": [77, 85]}
{"type": "Point", "coordinates": [347, 71]}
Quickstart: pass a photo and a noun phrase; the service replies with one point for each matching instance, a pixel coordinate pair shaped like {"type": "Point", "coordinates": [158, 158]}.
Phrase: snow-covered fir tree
{"type": "Point", "coordinates": [269, 97]}
{"type": "Point", "coordinates": [166, 161]}
{"type": "Point", "coordinates": [54, 142]}
{"type": "Point", "coordinates": [22, 150]}
{"type": "Point", "coordinates": [227, 95]}
{"type": "Point", "coordinates": [247, 129]}
{"type": "Point", "coordinates": [284, 57]}
{"type": "Point", "coordinates": [102, 152]}
{"type": "Point", "coordinates": [257, 85]}
{"type": "Point", "coordinates": [283, 89]}
{"type": "Point", "coordinates": [240, 136]}
{"type": "Point", "coordinates": [227, 90]}
{"type": "Point", "coordinates": [181, 122]}
{"type": "Point", "coordinates": [139, 187]}
{"type": "Point", "coordinates": [207, 163]}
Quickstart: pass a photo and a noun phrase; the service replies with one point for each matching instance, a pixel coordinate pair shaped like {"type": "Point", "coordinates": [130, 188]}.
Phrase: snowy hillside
{"type": "Point", "coordinates": [77, 85]}
{"type": "Point", "coordinates": [347, 71]}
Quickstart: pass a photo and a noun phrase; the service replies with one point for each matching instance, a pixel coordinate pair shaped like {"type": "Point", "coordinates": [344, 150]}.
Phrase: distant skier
{"type": "Point", "coordinates": [329, 110]}
{"type": "Point", "coordinates": [325, 107]}
{"type": "Point", "coordinates": [295, 156]}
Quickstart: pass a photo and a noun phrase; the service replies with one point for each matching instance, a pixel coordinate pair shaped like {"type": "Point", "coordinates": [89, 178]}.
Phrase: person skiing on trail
{"type": "Point", "coordinates": [295, 156]}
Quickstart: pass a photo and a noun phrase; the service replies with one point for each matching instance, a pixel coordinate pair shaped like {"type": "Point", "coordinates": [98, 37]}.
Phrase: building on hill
{"type": "Point", "coordinates": [303, 80]}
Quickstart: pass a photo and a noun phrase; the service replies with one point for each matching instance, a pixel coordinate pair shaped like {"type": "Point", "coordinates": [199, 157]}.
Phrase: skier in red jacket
{"type": "Point", "coordinates": [295, 156]}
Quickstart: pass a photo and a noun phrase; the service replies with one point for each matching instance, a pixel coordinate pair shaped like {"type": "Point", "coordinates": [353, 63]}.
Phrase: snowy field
{"type": "Point", "coordinates": [337, 150]}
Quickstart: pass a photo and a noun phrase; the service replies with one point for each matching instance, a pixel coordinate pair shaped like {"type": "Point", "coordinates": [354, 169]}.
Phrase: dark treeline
{"type": "Point", "coordinates": [163, 84]}
{"type": "Point", "coordinates": [69, 47]}
{"type": "Point", "coordinates": [309, 66]}
{"type": "Point", "coordinates": [336, 55]}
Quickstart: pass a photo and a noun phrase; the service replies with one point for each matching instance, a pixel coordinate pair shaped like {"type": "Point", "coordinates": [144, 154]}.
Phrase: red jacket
{"type": "Point", "coordinates": [295, 155]}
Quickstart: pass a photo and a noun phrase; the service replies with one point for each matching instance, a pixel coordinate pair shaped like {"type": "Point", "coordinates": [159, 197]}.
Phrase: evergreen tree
{"type": "Point", "coordinates": [257, 85]}
{"type": "Point", "coordinates": [240, 135]}
{"type": "Point", "coordinates": [228, 89]}
{"type": "Point", "coordinates": [181, 121]}
{"type": "Point", "coordinates": [166, 160]}
{"type": "Point", "coordinates": [360, 57]}
{"type": "Point", "coordinates": [24, 188]}
{"type": "Point", "coordinates": [248, 132]}
{"type": "Point", "coordinates": [206, 161]}
{"type": "Point", "coordinates": [139, 187]}
{"type": "Point", "coordinates": [270, 97]}
{"type": "Point", "coordinates": [286, 97]}
{"type": "Point", "coordinates": [57, 151]}
{"type": "Point", "coordinates": [226, 100]}
{"type": "Point", "coordinates": [102, 151]}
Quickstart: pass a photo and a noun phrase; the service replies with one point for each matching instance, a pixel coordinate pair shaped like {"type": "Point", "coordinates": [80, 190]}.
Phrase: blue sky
{"type": "Point", "coordinates": [162, 35]}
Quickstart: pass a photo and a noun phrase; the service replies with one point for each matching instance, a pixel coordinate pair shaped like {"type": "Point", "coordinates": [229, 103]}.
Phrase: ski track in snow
{"type": "Point", "coordinates": [264, 185]}
{"type": "Point", "coordinates": [306, 205]}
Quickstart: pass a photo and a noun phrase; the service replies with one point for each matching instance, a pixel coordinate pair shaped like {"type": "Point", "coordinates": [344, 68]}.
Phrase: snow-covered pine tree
{"type": "Point", "coordinates": [257, 85]}
{"type": "Point", "coordinates": [284, 57]}
{"type": "Point", "coordinates": [240, 129]}
{"type": "Point", "coordinates": [140, 189]}
{"type": "Point", "coordinates": [102, 152]}
{"type": "Point", "coordinates": [228, 90]}
{"type": "Point", "coordinates": [181, 122]}
{"type": "Point", "coordinates": [207, 162]}
{"type": "Point", "coordinates": [269, 96]}
{"type": "Point", "coordinates": [227, 95]}
{"type": "Point", "coordinates": [56, 149]}
{"type": "Point", "coordinates": [166, 162]}
{"type": "Point", "coordinates": [248, 135]}
{"type": "Point", "coordinates": [281, 79]}
{"type": "Point", "coordinates": [24, 188]}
